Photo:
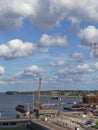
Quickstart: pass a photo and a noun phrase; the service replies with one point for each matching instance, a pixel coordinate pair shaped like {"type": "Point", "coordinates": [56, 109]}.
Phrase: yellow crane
{"type": "Point", "coordinates": [37, 103]}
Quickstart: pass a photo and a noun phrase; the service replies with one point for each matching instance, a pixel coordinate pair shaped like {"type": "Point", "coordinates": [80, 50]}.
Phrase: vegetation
{"type": "Point", "coordinates": [69, 93]}
{"type": "Point", "coordinates": [96, 125]}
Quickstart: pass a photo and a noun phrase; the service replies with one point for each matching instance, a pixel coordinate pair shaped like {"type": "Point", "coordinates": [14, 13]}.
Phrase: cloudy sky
{"type": "Point", "coordinates": [56, 40]}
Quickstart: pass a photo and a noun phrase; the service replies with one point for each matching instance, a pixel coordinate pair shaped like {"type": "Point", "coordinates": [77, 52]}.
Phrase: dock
{"type": "Point", "coordinates": [31, 123]}
{"type": "Point", "coordinates": [13, 123]}
{"type": "Point", "coordinates": [63, 121]}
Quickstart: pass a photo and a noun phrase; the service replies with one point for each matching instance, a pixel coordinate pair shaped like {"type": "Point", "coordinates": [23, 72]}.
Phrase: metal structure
{"type": "Point", "coordinates": [37, 103]}
{"type": "Point", "coordinates": [90, 99]}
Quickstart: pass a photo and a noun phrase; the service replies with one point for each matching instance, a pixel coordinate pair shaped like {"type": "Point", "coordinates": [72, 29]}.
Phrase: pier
{"type": "Point", "coordinates": [31, 123]}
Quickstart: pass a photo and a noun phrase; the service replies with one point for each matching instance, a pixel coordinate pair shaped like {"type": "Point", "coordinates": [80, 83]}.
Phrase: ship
{"type": "Point", "coordinates": [54, 94]}
{"type": "Point", "coordinates": [88, 100]}
{"type": "Point", "coordinates": [77, 107]}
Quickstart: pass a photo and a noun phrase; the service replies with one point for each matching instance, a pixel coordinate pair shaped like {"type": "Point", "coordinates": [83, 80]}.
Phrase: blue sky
{"type": "Point", "coordinates": [54, 40]}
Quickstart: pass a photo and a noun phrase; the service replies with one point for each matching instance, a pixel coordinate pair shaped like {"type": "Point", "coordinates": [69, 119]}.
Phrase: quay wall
{"type": "Point", "coordinates": [37, 126]}
{"type": "Point", "coordinates": [13, 123]}
{"type": "Point", "coordinates": [22, 123]}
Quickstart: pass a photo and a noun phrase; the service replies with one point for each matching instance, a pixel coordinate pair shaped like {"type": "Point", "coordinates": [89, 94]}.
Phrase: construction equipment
{"type": "Point", "coordinates": [37, 103]}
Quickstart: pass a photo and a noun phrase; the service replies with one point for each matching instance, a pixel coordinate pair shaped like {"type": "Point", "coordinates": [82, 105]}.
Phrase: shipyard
{"type": "Point", "coordinates": [41, 116]}
{"type": "Point", "coordinates": [48, 65]}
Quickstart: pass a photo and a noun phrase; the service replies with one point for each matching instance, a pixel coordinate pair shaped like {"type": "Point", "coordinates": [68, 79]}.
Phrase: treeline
{"type": "Point", "coordinates": [47, 93]}
{"type": "Point", "coordinates": [26, 93]}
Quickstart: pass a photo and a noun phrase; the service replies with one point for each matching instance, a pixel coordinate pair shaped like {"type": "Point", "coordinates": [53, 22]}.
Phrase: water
{"type": "Point", "coordinates": [9, 102]}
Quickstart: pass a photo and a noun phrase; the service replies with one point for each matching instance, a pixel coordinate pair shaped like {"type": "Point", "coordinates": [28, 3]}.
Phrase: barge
{"type": "Point", "coordinates": [88, 100]}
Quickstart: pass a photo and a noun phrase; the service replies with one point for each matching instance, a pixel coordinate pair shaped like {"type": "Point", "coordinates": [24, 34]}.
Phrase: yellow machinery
{"type": "Point", "coordinates": [37, 103]}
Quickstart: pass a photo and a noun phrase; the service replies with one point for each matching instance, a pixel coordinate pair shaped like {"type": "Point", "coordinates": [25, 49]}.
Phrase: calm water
{"type": "Point", "coordinates": [9, 102]}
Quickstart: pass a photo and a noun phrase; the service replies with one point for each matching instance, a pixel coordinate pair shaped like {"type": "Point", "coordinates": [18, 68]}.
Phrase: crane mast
{"type": "Point", "coordinates": [37, 103]}
{"type": "Point", "coordinates": [39, 89]}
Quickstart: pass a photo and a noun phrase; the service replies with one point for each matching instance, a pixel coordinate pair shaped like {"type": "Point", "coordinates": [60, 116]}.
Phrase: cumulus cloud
{"type": "Point", "coordinates": [31, 71]}
{"type": "Point", "coordinates": [59, 63]}
{"type": "Point", "coordinates": [79, 69]}
{"type": "Point", "coordinates": [43, 13]}
{"type": "Point", "coordinates": [84, 68]}
{"type": "Point", "coordinates": [46, 13]}
{"type": "Point", "coordinates": [77, 74]}
{"type": "Point", "coordinates": [2, 70]}
{"type": "Point", "coordinates": [96, 65]}
{"type": "Point", "coordinates": [17, 48]}
{"type": "Point", "coordinates": [89, 35]}
{"type": "Point", "coordinates": [77, 56]}
{"type": "Point", "coordinates": [47, 40]}
{"type": "Point", "coordinates": [13, 12]}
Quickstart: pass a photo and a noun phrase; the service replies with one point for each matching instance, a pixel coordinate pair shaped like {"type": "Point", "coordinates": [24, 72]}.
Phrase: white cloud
{"type": "Point", "coordinates": [79, 69]}
{"type": "Point", "coordinates": [46, 13]}
{"type": "Point", "coordinates": [43, 13]}
{"type": "Point", "coordinates": [59, 63]}
{"type": "Point", "coordinates": [13, 12]}
{"type": "Point", "coordinates": [89, 35]}
{"type": "Point", "coordinates": [2, 70]}
{"type": "Point", "coordinates": [31, 71]}
{"type": "Point", "coordinates": [77, 56]}
{"type": "Point", "coordinates": [17, 48]}
{"type": "Point", "coordinates": [74, 20]}
{"type": "Point", "coordinates": [47, 40]}
{"type": "Point", "coordinates": [84, 68]}
{"type": "Point", "coordinates": [96, 65]}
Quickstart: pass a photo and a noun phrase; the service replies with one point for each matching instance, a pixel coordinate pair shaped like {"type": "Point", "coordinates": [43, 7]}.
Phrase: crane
{"type": "Point", "coordinates": [37, 103]}
{"type": "Point", "coordinates": [39, 89]}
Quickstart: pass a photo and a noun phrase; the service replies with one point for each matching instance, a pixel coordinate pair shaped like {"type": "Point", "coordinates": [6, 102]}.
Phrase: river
{"type": "Point", "coordinates": [9, 102]}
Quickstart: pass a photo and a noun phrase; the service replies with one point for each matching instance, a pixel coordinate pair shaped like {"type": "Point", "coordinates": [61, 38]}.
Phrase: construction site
{"type": "Point", "coordinates": [46, 116]}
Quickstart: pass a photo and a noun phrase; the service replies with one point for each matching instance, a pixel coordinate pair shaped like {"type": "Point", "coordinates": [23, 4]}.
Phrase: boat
{"type": "Point", "coordinates": [88, 100]}
{"type": "Point", "coordinates": [20, 108]}
{"type": "Point", "coordinates": [54, 94]}
{"type": "Point", "coordinates": [76, 107]}
{"type": "Point", "coordinates": [73, 109]}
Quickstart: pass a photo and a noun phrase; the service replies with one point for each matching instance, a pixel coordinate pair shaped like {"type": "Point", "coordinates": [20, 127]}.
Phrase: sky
{"type": "Point", "coordinates": [55, 40]}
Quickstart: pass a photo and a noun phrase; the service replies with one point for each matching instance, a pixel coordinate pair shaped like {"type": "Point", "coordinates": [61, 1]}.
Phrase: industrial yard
{"type": "Point", "coordinates": [45, 115]}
